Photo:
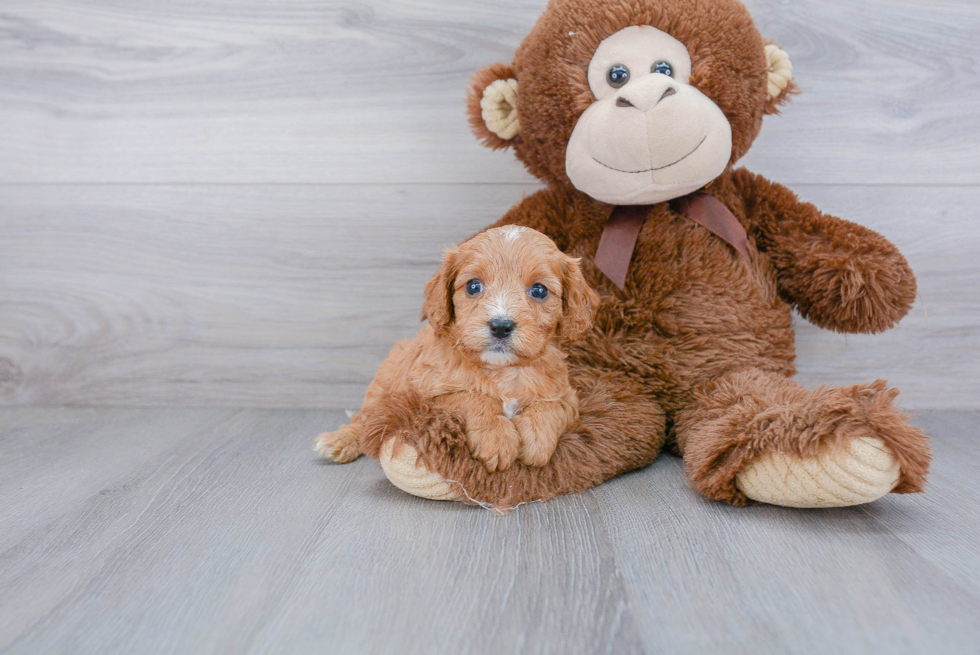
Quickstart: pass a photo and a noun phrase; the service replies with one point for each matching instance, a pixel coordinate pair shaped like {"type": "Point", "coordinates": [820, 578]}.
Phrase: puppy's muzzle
{"type": "Point", "coordinates": [502, 328]}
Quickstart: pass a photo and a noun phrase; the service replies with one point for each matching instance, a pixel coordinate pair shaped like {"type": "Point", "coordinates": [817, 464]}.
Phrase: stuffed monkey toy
{"type": "Point", "coordinates": [634, 114]}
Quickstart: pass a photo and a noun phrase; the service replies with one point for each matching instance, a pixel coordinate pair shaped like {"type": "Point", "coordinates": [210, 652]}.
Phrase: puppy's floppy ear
{"type": "Point", "coordinates": [438, 306]}
{"type": "Point", "coordinates": [492, 106]}
{"type": "Point", "coordinates": [578, 301]}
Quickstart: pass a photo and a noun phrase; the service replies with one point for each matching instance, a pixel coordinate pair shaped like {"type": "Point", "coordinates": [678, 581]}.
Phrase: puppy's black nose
{"type": "Point", "coordinates": [501, 327]}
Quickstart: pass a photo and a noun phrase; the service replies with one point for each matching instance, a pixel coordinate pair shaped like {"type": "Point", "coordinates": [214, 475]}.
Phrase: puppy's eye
{"type": "Point", "coordinates": [538, 291]}
{"type": "Point", "coordinates": [663, 68]}
{"type": "Point", "coordinates": [618, 76]}
{"type": "Point", "coordinates": [474, 287]}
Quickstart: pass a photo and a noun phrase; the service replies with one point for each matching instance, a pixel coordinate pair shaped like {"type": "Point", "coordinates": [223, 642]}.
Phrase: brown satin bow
{"type": "Point", "coordinates": [618, 239]}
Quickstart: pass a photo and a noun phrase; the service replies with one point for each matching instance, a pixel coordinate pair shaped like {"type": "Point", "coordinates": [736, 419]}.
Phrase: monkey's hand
{"type": "Point", "coordinates": [839, 275]}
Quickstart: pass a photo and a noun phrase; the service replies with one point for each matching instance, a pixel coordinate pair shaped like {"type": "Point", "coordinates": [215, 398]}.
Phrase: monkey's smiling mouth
{"type": "Point", "coordinates": [660, 168]}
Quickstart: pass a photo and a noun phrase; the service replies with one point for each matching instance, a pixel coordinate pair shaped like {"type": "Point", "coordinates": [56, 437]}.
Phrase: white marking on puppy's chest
{"type": "Point", "coordinates": [512, 407]}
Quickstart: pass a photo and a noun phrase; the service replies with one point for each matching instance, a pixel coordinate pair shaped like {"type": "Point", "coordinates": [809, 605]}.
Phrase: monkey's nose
{"type": "Point", "coordinates": [502, 327]}
{"type": "Point", "coordinates": [647, 95]}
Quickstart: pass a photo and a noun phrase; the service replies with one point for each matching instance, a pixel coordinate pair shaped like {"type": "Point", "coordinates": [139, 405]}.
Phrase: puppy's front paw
{"type": "Point", "coordinates": [539, 438]}
{"type": "Point", "coordinates": [341, 446]}
{"type": "Point", "coordinates": [535, 453]}
{"type": "Point", "coordinates": [496, 445]}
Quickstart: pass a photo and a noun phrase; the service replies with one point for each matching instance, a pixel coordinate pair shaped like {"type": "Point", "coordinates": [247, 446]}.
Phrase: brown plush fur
{"type": "Point", "coordinates": [697, 351]}
{"type": "Point", "coordinates": [590, 453]}
{"type": "Point", "coordinates": [749, 411]}
{"type": "Point", "coordinates": [513, 395]}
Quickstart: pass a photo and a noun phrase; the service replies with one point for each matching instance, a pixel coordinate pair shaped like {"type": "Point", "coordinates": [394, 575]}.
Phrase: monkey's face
{"type": "Point", "coordinates": [633, 101]}
{"type": "Point", "coordinates": [650, 136]}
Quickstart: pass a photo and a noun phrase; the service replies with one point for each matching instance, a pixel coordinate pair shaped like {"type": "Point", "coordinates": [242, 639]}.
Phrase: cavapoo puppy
{"type": "Point", "coordinates": [497, 311]}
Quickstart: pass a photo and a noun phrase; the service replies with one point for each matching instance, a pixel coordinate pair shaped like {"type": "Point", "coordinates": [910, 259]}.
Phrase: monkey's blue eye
{"type": "Point", "coordinates": [474, 287]}
{"type": "Point", "coordinates": [663, 68]}
{"type": "Point", "coordinates": [618, 76]}
{"type": "Point", "coordinates": [538, 291]}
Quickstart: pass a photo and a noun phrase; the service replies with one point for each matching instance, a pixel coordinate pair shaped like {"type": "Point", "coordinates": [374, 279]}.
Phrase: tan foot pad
{"type": "Point", "coordinates": [403, 472]}
{"type": "Point", "coordinates": [866, 473]}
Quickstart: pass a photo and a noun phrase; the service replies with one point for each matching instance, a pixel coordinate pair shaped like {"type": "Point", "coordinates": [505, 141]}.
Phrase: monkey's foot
{"type": "Point", "coordinates": [405, 472]}
{"type": "Point", "coordinates": [757, 435]}
{"type": "Point", "coordinates": [865, 470]}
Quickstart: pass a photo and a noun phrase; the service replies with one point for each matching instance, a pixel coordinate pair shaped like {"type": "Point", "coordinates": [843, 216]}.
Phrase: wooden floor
{"type": "Point", "coordinates": [219, 530]}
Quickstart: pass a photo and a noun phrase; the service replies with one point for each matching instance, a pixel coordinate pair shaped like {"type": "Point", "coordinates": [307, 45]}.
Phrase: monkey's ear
{"type": "Point", "coordinates": [492, 106]}
{"type": "Point", "coordinates": [781, 85]}
{"type": "Point", "coordinates": [438, 306]}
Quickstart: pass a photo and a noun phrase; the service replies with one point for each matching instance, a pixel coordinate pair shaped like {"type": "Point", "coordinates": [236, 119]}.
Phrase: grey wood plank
{"type": "Point", "coordinates": [198, 293]}
{"type": "Point", "coordinates": [51, 457]}
{"type": "Point", "coordinates": [887, 577]}
{"type": "Point", "coordinates": [448, 579]}
{"type": "Point", "coordinates": [125, 461]}
{"type": "Point", "coordinates": [881, 82]}
{"type": "Point", "coordinates": [937, 231]}
{"type": "Point", "coordinates": [292, 295]}
{"type": "Point", "coordinates": [943, 525]}
{"type": "Point", "coordinates": [240, 540]}
{"type": "Point", "coordinates": [230, 536]}
{"type": "Point", "coordinates": [372, 91]}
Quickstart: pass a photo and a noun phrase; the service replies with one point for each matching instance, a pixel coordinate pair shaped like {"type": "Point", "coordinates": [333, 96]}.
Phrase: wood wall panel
{"type": "Point", "coordinates": [372, 91]}
{"type": "Point", "coordinates": [237, 201]}
{"type": "Point", "coordinates": [291, 295]}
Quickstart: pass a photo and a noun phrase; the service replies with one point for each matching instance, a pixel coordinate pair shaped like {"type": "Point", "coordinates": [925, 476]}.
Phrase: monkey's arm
{"type": "Point", "coordinates": [839, 275]}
